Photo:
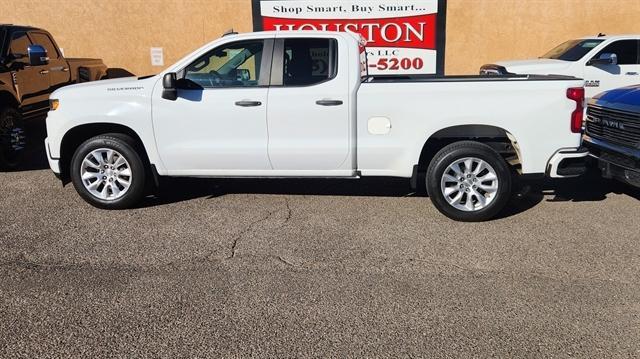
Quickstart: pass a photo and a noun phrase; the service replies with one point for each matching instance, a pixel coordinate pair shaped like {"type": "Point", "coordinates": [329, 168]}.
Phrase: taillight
{"type": "Point", "coordinates": [577, 94]}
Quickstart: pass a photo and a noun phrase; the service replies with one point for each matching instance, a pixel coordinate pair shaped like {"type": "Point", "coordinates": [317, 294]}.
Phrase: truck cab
{"type": "Point", "coordinates": [604, 62]}
{"type": "Point", "coordinates": [26, 83]}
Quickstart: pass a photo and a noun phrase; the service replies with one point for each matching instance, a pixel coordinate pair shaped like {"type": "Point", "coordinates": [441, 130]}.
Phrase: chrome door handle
{"type": "Point", "coordinates": [329, 102]}
{"type": "Point", "coordinates": [632, 73]}
{"type": "Point", "coordinates": [247, 103]}
{"type": "Point", "coordinates": [44, 72]}
{"type": "Point", "coordinates": [65, 69]}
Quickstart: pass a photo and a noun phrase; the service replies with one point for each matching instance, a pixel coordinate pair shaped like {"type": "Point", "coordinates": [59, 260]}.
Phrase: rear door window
{"type": "Point", "coordinates": [309, 61]}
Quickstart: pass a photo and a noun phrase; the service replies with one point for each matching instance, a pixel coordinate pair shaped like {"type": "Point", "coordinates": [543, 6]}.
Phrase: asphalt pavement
{"type": "Point", "coordinates": [316, 268]}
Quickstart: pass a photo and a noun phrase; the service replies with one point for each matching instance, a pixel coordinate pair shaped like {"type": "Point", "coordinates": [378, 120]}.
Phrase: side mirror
{"type": "Point", "coordinates": [37, 55]}
{"type": "Point", "coordinates": [220, 53]}
{"type": "Point", "coordinates": [604, 59]}
{"type": "Point", "coordinates": [170, 91]}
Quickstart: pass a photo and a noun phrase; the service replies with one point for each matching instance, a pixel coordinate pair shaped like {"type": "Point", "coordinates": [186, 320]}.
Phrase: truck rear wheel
{"type": "Point", "coordinates": [469, 181]}
{"type": "Point", "coordinates": [108, 172]}
{"type": "Point", "coordinates": [12, 139]}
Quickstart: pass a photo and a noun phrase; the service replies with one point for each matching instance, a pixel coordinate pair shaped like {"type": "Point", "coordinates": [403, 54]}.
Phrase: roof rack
{"type": "Point", "coordinates": [229, 32]}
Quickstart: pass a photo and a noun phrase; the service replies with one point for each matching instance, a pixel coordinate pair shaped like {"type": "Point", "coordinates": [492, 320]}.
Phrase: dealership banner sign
{"type": "Point", "coordinates": [403, 36]}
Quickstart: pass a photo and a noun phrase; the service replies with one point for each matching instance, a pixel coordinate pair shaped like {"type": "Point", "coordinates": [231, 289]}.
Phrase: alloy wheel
{"type": "Point", "coordinates": [469, 184]}
{"type": "Point", "coordinates": [106, 174]}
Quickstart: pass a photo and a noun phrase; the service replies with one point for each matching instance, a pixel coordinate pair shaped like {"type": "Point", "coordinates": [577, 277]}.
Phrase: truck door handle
{"type": "Point", "coordinates": [246, 103]}
{"type": "Point", "coordinates": [632, 73]}
{"type": "Point", "coordinates": [329, 102]}
{"type": "Point", "coordinates": [65, 69]}
{"type": "Point", "coordinates": [44, 72]}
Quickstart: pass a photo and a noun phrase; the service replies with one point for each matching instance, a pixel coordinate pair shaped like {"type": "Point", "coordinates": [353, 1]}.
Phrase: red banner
{"type": "Point", "coordinates": [408, 32]}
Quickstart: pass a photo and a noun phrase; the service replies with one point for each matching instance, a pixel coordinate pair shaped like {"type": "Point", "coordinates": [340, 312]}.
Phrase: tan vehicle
{"type": "Point", "coordinates": [32, 67]}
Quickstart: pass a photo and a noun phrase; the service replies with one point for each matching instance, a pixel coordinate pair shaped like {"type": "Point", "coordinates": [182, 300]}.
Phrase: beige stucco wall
{"type": "Point", "coordinates": [478, 31]}
{"type": "Point", "coordinates": [121, 32]}
{"type": "Point", "coordinates": [481, 31]}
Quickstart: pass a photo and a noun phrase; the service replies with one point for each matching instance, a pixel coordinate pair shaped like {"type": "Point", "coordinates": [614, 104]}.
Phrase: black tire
{"type": "Point", "coordinates": [12, 139]}
{"type": "Point", "coordinates": [461, 150]}
{"type": "Point", "coordinates": [129, 149]}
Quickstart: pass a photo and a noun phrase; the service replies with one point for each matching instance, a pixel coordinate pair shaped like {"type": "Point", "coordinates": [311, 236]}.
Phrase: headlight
{"type": "Point", "coordinates": [53, 104]}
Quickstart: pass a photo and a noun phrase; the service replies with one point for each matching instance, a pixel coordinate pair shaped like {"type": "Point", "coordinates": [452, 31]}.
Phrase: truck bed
{"type": "Point", "coordinates": [533, 109]}
{"type": "Point", "coordinates": [86, 69]}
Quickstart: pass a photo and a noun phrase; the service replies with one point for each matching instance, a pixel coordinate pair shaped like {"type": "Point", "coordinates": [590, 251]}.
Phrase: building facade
{"type": "Point", "coordinates": [123, 32]}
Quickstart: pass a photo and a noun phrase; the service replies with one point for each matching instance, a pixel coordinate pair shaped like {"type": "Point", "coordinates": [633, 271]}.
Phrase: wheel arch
{"type": "Point", "coordinates": [498, 138]}
{"type": "Point", "coordinates": [75, 136]}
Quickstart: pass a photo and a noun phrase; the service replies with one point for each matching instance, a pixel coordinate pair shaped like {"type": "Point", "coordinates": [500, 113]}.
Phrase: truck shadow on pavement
{"type": "Point", "coordinates": [588, 188]}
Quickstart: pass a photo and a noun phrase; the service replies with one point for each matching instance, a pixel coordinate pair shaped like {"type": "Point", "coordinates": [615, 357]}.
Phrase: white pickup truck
{"type": "Point", "coordinates": [604, 62]}
{"type": "Point", "coordinates": [297, 104]}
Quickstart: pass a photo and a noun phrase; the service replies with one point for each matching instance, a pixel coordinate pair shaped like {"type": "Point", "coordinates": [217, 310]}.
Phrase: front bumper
{"type": "Point", "coordinates": [568, 162]}
{"type": "Point", "coordinates": [621, 163]}
{"type": "Point", "coordinates": [54, 163]}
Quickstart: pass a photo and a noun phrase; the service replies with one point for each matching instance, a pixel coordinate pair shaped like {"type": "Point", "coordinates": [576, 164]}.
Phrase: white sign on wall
{"type": "Point", "coordinates": [157, 56]}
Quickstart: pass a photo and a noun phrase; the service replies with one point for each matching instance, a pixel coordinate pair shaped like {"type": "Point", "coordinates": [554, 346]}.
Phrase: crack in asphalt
{"type": "Point", "coordinates": [234, 243]}
{"type": "Point", "coordinates": [283, 260]}
{"type": "Point", "coordinates": [21, 261]}
{"type": "Point", "coordinates": [288, 217]}
{"type": "Point", "coordinates": [236, 239]}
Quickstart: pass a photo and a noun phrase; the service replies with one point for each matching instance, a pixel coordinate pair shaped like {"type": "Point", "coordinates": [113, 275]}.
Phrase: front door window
{"type": "Point", "coordinates": [234, 65]}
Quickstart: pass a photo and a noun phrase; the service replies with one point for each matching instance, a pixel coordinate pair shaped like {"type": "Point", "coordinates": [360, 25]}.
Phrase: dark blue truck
{"type": "Point", "coordinates": [612, 133]}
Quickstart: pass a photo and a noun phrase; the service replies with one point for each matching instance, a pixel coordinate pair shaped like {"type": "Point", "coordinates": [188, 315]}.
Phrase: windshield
{"type": "Point", "coordinates": [572, 50]}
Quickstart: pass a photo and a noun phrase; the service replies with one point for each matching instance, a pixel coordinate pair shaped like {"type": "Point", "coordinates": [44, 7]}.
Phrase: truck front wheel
{"type": "Point", "coordinates": [12, 139]}
{"type": "Point", "coordinates": [108, 172]}
{"type": "Point", "coordinates": [469, 181]}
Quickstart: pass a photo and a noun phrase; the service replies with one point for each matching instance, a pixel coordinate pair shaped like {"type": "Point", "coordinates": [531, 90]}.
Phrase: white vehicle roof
{"type": "Point", "coordinates": [308, 33]}
{"type": "Point", "coordinates": [610, 37]}
{"type": "Point", "coordinates": [257, 35]}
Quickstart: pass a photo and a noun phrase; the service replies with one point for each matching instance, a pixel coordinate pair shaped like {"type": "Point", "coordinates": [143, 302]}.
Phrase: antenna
{"type": "Point", "coordinates": [601, 35]}
{"type": "Point", "coordinates": [229, 32]}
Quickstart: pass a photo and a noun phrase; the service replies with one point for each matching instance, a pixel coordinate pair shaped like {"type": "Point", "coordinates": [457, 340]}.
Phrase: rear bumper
{"type": "Point", "coordinates": [567, 163]}
{"type": "Point", "coordinates": [621, 163]}
{"type": "Point", "coordinates": [54, 163]}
